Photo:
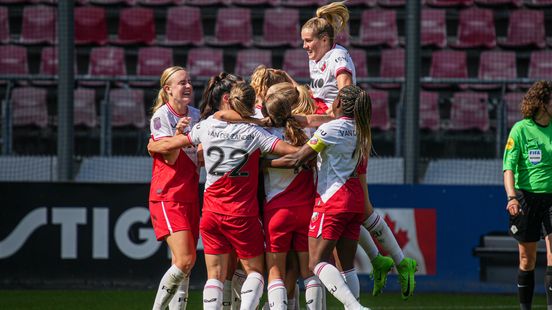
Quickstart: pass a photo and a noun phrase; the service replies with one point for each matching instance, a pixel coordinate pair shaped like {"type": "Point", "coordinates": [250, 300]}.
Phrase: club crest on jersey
{"type": "Point", "coordinates": [314, 217]}
{"type": "Point", "coordinates": [157, 123]}
{"type": "Point", "coordinates": [323, 67]}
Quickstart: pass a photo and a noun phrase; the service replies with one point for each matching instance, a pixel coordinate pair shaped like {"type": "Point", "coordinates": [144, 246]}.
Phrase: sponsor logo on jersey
{"type": "Point", "coordinates": [323, 67]}
{"type": "Point", "coordinates": [510, 144]}
{"type": "Point", "coordinates": [535, 156]}
{"type": "Point", "coordinates": [157, 123]}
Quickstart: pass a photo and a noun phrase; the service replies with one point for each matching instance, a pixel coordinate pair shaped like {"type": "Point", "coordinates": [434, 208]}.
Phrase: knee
{"type": "Point", "coordinates": [185, 262]}
{"type": "Point", "coordinates": [527, 262]}
{"type": "Point", "coordinates": [313, 261]}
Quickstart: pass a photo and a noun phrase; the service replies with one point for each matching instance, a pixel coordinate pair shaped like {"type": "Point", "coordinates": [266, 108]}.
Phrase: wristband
{"type": "Point", "coordinates": [510, 198]}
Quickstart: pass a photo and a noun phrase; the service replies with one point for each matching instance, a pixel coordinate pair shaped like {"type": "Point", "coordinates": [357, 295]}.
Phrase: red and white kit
{"type": "Point", "coordinates": [339, 205]}
{"type": "Point", "coordinates": [323, 73]}
{"type": "Point", "coordinates": [231, 152]}
{"type": "Point", "coordinates": [288, 206]}
{"type": "Point", "coordinates": [174, 197]}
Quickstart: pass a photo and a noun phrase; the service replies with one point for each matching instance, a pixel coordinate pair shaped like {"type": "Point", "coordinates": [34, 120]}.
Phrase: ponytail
{"type": "Point", "coordinates": [217, 86]}
{"type": "Point", "coordinates": [242, 99]}
{"type": "Point", "coordinates": [278, 105]}
{"type": "Point", "coordinates": [356, 103]}
{"type": "Point", "coordinates": [330, 20]}
{"type": "Point", "coordinates": [305, 104]}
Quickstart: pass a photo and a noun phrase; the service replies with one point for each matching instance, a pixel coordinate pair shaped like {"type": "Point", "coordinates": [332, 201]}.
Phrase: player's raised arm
{"type": "Point", "coordinates": [293, 160]}
{"type": "Point", "coordinates": [168, 144]}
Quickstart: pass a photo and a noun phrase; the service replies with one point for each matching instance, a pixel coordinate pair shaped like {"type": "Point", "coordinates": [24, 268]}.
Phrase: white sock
{"type": "Point", "coordinates": [180, 298]}
{"type": "Point", "coordinates": [227, 295]}
{"type": "Point", "coordinates": [314, 293]}
{"type": "Point", "coordinates": [296, 296]}
{"type": "Point", "coordinates": [251, 291]}
{"type": "Point", "coordinates": [379, 229]}
{"type": "Point", "coordinates": [167, 287]}
{"type": "Point", "coordinates": [367, 243]}
{"type": "Point", "coordinates": [292, 304]}
{"type": "Point", "coordinates": [351, 278]}
{"type": "Point", "coordinates": [333, 281]}
{"type": "Point", "coordinates": [277, 295]}
{"type": "Point", "coordinates": [212, 294]}
{"type": "Point", "coordinates": [237, 282]}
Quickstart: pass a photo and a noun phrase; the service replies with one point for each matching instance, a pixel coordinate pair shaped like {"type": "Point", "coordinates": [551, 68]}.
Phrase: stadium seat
{"type": "Point", "coordinates": [538, 3]}
{"type": "Point", "coordinates": [281, 27]}
{"type": "Point", "coordinates": [391, 66]}
{"type": "Point", "coordinates": [433, 28]}
{"type": "Point", "coordinates": [447, 64]}
{"type": "Point", "coordinates": [136, 26]}
{"type": "Point", "coordinates": [475, 29]}
{"type": "Point", "coordinates": [90, 25]}
{"type": "Point", "coordinates": [233, 26]}
{"type": "Point", "coordinates": [513, 103]}
{"type": "Point", "coordinates": [498, 3]}
{"type": "Point", "coordinates": [469, 110]}
{"type": "Point", "coordinates": [13, 1]}
{"type": "Point", "coordinates": [109, 2]}
{"type": "Point", "coordinates": [368, 3]}
{"type": "Point", "coordinates": [464, 171]}
{"type": "Point", "coordinates": [183, 26]}
{"type": "Point", "coordinates": [105, 62]}
{"type": "Point", "coordinates": [391, 3]}
{"type": "Point", "coordinates": [380, 110]}
{"type": "Point", "coordinates": [540, 65]}
{"type": "Point", "coordinates": [429, 111]}
{"type": "Point", "coordinates": [13, 60]}
{"type": "Point", "coordinates": [127, 107]}
{"type": "Point", "coordinates": [449, 3]}
{"type": "Point", "coordinates": [378, 27]}
{"type": "Point", "coordinates": [160, 2]}
{"type": "Point", "coordinates": [250, 2]}
{"type": "Point", "coordinates": [344, 38]}
{"type": "Point", "coordinates": [205, 2]}
{"type": "Point", "coordinates": [525, 28]}
{"type": "Point", "coordinates": [359, 59]}
{"type": "Point", "coordinates": [29, 106]}
{"type": "Point", "coordinates": [204, 62]}
{"type": "Point", "coordinates": [298, 3]}
{"type": "Point", "coordinates": [84, 106]}
{"type": "Point", "coordinates": [38, 25]}
{"type": "Point", "coordinates": [4, 25]}
{"type": "Point", "coordinates": [151, 62]}
{"type": "Point", "coordinates": [296, 63]}
{"type": "Point", "coordinates": [248, 59]}
{"type": "Point", "coordinates": [48, 65]}
{"type": "Point", "coordinates": [496, 65]}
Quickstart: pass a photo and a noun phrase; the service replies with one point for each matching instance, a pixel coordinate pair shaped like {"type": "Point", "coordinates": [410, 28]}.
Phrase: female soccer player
{"type": "Point", "coordinates": [174, 199]}
{"type": "Point", "coordinates": [528, 183]}
{"type": "Point", "coordinates": [341, 147]}
{"type": "Point", "coordinates": [230, 210]}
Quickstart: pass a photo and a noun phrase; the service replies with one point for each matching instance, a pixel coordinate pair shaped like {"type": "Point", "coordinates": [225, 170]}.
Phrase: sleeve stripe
{"type": "Point", "coordinates": [343, 69]}
{"type": "Point", "coordinates": [273, 146]}
{"type": "Point", "coordinates": [159, 138]}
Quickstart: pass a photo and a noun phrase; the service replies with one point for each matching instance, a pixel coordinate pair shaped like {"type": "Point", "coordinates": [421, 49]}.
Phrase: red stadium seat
{"type": "Point", "coordinates": [378, 27]}
{"type": "Point", "coordinates": [526, 28]}
{"type": "Point", "coordinates": [298, 3]}
{"type": "Point", "coordinates": [498, 3]}
{"type": "Point", "coordinates": [109, 2]}
{"type": "Point", "coordinates": [538, 3]}
{"type": "Point", "coordinates": [4, 25]}
{"type": "Point", "coordinates": [540, 65]}
{"type": "Point", "coordinates": [12, 1]}
{"type": "Point", "coordinates": [469, 110]}
{"type": "Point", "coordinates": [29, 106]}
{"type": "Point", "coordinates": [391, 66]}
{"type": "Point", "coordinates": [39, 25]}
{"type": "Point", "coordinates": [160, 2]}
{"type": "Point", "coordinates": [449, 3]}
{"type": "Point", "coordinates": [447, 64]}
{"type": "Point", "coordinates": [233, 26]}
{"type": "Point", "coordinates": [105, 62]}
{"type": "Point", "coordinates": [429, 111]}
{"type": "Point", "coordinates": [496, 65]}
{"type": "Point", "coordinates": [343, 38]}
{"type": "Point", "coordinates": [434, 28]}
{"type": "Point", "coordinates": [391, 3]}
{"type": "Point", "coordinates": [127, 107]}
{"type": "Point", "coordinates": [476, 29]}
{"type": "Point", "coordinates": [368, 3]}
{"type": "Point", "coordinates": [248, 59]}
{"type": "Point", "coordinates": [380, 110]}
{"type": "Point", "coordinates": [151, 62]}
{"type": "Point", "coordinates": [281, 27]}
{"type": "Point", "coordinates": [183, 26]}
{"type": "Point", "coordinates": [296, 63]}
{"type": "Point", "coordinates": [90, 25]}
{"type": "Point", "coordinates": [204, 62]}
{"type": "Point", "coordinates": [513, 111]}
{"type": "Point", "coordinates": [13, 60]}
{"type": "Point", "coordinates": [205, 2]}
{"type": "Point", "coordinates": [136, 26]}
{"type": "Point", "coordinates": [249, 2]}
{"type": "Point", "coordinates": [84, 107]}
{"type": "Point", "coordinates": [359, 59]}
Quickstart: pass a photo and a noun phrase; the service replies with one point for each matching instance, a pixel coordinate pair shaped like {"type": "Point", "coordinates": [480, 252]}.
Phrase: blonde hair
{"type": "Point", "coordinates": [298, 96]}
{"type": "Point", "coordinates": [278, 105]}
{"type": "Point", "coordinates": [330, 20]}
{"type": "Point", "coordinates": [242, 99]}
{"type": "Point", "coordinates": [162, 96]}
{"type": "Point", "coordinates": [263, 77]}
{"type": "Point", "coordinates": [356, 103]}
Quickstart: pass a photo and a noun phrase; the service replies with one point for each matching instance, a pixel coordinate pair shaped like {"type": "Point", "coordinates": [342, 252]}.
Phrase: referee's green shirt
{"type": "Point", "coordinates": [528, 153]}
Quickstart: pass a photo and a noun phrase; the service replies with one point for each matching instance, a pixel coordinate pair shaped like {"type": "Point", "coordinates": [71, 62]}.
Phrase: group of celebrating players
{"type": "Point", "coordinates": [302, 150]}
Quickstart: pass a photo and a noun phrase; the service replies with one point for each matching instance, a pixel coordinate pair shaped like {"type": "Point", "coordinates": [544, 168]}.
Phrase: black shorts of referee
{"type": "Point", "coordinates": [535, 220]}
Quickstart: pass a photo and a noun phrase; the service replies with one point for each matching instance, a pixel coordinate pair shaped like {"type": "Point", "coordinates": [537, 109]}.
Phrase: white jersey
{"type": "Point", "coordinates": [323, 73]}
{"type": "Point", "coordinates": [335, 143]}
{"type": "Point", "coordinates": [163, 124]}
{"type": "Point", "coordinates": [231, 152]}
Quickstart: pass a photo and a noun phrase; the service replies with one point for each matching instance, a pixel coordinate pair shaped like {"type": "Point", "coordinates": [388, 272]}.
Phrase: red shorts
{"type": "Point", "coordinates": [335, 226]}
{"type": "Point", "coordinates": [223, 233]}
{"type": "Point", "coordinates": [168, 217]}
{"type": "Point", "coordinates": [287, 228]}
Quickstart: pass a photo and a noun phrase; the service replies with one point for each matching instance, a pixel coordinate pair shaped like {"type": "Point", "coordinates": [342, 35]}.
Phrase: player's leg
{"type": "Point", "coordinates": [548, 274]}
{"type": "Point", "coordinates": [277, 293]}
{"type": "Point", "coordinates": [217, 265]}
{"type": "Point", "coordinates": [381, 265]}
{"type": "Point", "coordinates": [227, 291]}
{"type": "Point", "coordinates": [346, 251]}
{"type": "Point", "coordinates": [314, 289]}
{"type": "Point", "coordinates": [180, 299]}
{"type": "Point", "coordinates": [238, 278]}
{"type": "Point", "coordinates": [526, 273]}
{"type": "Point", "coordinates": [252, 289]}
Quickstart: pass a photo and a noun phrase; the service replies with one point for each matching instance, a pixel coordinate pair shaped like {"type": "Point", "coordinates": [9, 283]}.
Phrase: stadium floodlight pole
{"type": "Point", "coordinates": [412, 92]}
{"type": "Point", "coordinates": [66, 46]}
